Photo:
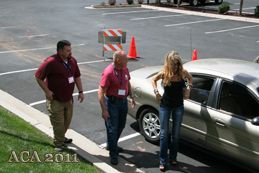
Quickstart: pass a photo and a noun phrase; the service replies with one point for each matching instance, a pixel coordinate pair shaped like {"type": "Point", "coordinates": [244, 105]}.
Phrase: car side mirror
{"type": "Point", "coordinates": [255, 121]}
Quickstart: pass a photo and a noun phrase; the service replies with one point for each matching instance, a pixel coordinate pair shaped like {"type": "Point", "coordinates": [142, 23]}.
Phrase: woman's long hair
{"type": "Point", "coordinates": [168, 72]}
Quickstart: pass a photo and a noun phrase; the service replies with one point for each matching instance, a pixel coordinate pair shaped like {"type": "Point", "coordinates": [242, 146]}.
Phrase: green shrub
{"type": "Point", "coordinates": [112, 2]}
{"type": "Point", "coordinates": [224, 7]}
{"type": "Point", "coordinates": [130, 1]}
{"type": "Point", "coordinates": [257, 11]}
{"type": "Point", "coordinates": [140, 1]}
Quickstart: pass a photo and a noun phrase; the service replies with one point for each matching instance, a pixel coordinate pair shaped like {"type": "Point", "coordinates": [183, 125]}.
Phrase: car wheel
{"type": "Point", "coordinates": [149, 125]}
{"type": "Point", "coordinates": [218, 1]}
{"type": "Point", "coordinates": [194, 2]}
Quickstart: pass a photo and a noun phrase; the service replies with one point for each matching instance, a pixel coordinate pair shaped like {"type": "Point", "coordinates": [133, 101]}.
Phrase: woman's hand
{"type": "Point", "coordinates": [186, 94]}
{"type": "Point", "coordinates": [158, 96]}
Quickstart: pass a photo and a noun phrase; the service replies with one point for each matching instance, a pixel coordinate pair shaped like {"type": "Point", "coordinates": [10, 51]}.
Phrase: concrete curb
{"type": "Point", "coordinates": [87, 149]}
{"type": "Point", "coordinates": [203, 14]}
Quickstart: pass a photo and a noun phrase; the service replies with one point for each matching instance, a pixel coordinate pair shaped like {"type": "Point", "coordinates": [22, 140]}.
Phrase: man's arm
{"type": "Point", "coordinates": [130, 92]}
{"type": "Point", "coordinates": [101, 92]}
{"type": "Point", "coordinates": [80, 88]}
{"type": "Point", "coordinates": [49, 94]}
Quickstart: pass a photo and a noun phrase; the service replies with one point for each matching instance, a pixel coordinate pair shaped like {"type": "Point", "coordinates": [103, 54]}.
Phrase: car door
{"type": "Point", "coordinates": [196, 119]}
{"type": "Point", "coordinates": [235, 137]}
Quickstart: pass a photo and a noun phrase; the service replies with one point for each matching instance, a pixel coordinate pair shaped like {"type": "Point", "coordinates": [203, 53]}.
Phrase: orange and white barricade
{"type": "Point", "coordinates": [111, 33]}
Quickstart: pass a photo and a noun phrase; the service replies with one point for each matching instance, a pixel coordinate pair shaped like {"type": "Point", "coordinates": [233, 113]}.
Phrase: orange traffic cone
{"type": "Point", "coordinates": [194, 56]}
{"type": "Point", "coordinates": [132, 50]}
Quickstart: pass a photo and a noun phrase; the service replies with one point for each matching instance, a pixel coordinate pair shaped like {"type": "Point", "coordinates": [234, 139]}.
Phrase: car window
{"type": "Point", "coordinates": [201, 89]}
{"type": "Point", "coordinates": [237, 100]}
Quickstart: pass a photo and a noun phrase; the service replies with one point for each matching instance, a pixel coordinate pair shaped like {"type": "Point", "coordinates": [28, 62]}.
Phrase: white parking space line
{"type": "Point", "coordinates": [249, 8]}
{"type": "Point", "coordinates": [187, 23]}
{"type": "Point", "coordinates": [75, 94]}
{"type": "Point", "coordinates": [41, 35]}
{"type": "Point", "coordinates": [143, 11]}
{"type": "Point", "coordinates": [158, 17]}
{"type": "Point", "coordinates": [122, 139]}
{"type": "Point", "coordinates": [34, 69]}
{"type": "Point", "coordinates": [226, 30]}
{"type": "Point", "coordinates": [8, 27]}
{"type": "Point", "coordinates": [25, 50]}
{"type": "Point", "coordinates": [18, 71]}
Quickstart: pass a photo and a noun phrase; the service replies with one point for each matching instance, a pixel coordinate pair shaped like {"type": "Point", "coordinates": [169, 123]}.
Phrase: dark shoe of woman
{"type": "Point", "coordinates": [174, 163]}
{"type": "Point", "coordinates": [162, 167]}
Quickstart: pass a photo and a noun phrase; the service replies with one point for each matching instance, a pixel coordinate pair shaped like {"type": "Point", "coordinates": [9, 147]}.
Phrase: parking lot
{"type": "Point", "coordinates": [29, 33]}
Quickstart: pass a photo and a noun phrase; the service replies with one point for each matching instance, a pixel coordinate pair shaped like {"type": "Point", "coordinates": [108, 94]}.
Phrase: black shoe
{"type": "Point", "coordinates": [68, 141]}
{"type": "Point", "coordinates": [162, 167]}
{"type": "Point", "coordinates": [120, 149]}
{"type": "Point", "coordinates": [173, 163]}
{"type": "Point", "coordinates": [114, 161]}
{"type": "Point", "coordinates": [58, 148]}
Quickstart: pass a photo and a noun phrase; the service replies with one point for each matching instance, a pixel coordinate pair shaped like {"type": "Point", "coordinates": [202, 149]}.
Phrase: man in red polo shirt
{"type": "Point", "coordinates": [62, 73]}
{"type": "Point", "coordinates": [113, 90]}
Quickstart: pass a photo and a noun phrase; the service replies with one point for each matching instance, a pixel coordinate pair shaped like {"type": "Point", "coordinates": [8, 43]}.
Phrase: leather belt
{"type": "Point", "coordinates": [116, 98]}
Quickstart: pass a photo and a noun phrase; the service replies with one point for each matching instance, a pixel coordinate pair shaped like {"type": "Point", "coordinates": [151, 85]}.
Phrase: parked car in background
{"type": "Point", "coordinates": [221, 115]}
{"type": "Point", "coordinates": [196, 2]}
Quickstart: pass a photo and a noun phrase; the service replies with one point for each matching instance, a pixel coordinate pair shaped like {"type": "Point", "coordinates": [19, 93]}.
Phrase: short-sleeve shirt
{"type": "Point", "coordinates": [57, 74]}
{"type": "Point", "coordinates": [110, 81]}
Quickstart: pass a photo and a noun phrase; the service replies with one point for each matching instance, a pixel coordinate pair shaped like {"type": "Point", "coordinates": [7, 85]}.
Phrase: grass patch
{"type": "Point", "coordinates": [17, 135]}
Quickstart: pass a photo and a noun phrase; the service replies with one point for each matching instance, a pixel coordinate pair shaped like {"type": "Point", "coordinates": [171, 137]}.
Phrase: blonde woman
{"type": "Point", "coordinates": [173, 77]}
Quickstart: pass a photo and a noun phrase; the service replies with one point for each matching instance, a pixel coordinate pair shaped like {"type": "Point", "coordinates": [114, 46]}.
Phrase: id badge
{"type": "Point", "coordinates": [122, 92]}
{"type": "Point", "coordinates": [71, 79]}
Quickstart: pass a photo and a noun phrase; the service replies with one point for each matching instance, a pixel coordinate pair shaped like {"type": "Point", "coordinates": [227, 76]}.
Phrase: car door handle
{"type": "Point", "coordinates": [220, 122]}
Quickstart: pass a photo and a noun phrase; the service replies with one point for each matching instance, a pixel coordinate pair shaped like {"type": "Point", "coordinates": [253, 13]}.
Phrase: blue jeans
{"type": "Point", "coordinates": [115, 123]}
{"type": "Point", "coordinates": [177, 116]}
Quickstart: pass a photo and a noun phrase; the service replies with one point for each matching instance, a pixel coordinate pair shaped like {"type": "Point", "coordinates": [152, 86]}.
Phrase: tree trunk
{"type": "Point", "coordinates": [179, 3]}
{"type": "Point", "coordinates": [240, 8]}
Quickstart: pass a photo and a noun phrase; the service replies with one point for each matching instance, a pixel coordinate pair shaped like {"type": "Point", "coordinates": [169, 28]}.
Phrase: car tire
{"type": "Point", "coordinates": [218, 1]}
{"type": "Point", "coordinates": [149, 124]}
{"type": "Point", "coordinates": [194, 2]}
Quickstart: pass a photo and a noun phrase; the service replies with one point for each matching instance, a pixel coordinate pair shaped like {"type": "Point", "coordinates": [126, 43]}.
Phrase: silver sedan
{"type": "Point", "coordinates": [221, 115]}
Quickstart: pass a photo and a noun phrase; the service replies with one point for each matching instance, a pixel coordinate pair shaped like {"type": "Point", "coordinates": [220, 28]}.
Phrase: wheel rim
{"type": "Point", "coordinates": [151, 125]}
{"type": "Point", "coordinates": [195, 2]}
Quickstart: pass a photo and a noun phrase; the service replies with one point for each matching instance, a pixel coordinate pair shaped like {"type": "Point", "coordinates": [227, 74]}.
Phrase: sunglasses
{"type": "Point", "coordinates": [177, 64]}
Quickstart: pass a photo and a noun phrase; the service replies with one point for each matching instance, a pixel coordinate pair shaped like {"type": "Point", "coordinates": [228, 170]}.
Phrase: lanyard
{"type": "Point", "coordinates": [117, 74]}
{"type": "Point", "coordinates": [68, 68]}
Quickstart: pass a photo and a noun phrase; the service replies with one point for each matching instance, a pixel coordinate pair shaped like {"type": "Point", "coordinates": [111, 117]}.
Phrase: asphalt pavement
{"type": "Point", "coordinates": [84, 147]}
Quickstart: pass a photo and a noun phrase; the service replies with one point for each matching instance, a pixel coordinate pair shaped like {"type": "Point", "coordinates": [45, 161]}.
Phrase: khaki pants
{"type": "Point", "coordinates": [60, 114]}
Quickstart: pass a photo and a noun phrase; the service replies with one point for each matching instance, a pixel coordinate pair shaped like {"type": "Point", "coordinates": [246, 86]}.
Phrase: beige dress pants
{"type": "Point", "coordinates": [60, 114]}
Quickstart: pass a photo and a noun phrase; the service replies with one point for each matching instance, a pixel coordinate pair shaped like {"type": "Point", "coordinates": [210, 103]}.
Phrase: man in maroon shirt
{"type": "Point", "coordinates": [62, 73]}
{"type": "Point", "coordinates": [113, 90]}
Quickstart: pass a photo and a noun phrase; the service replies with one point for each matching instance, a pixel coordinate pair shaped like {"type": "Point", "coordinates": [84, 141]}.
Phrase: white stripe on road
{"type": "Point", "coordinates": [18, 71]}
{"type": "Point", "coordinates": [246, 8]}
{"type": "Point", "coordinates": [25, 50]}
{"type": "Point", "coordinates": [41, 35]}
{"type": "Point", "coordinates": [34, 69]}
{"type": "Point", "coordinates": [159, 17]}
{"type": "Point", "coordinates": [194, 22]}
{"type": "Point", "coordinates": [122, 139]}
{"type": "Point", "coordinates": [128, 12]}
{"type": "Point", "coordinates": [226, 30]}
{"type": "Point", "coordinates": [75, 94]}
{"type": "Point", "coordinates": [7, 27]}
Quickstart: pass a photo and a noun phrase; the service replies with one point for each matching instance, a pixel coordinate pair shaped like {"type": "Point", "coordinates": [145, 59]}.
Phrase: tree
{"type": "Point", "coordinates": [240, 8]}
